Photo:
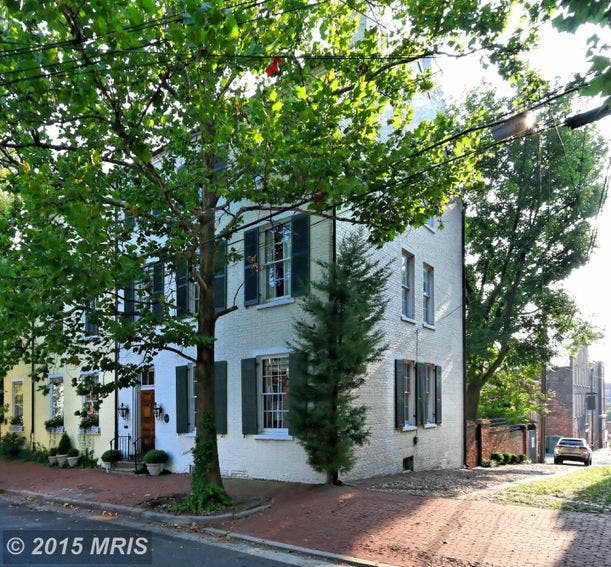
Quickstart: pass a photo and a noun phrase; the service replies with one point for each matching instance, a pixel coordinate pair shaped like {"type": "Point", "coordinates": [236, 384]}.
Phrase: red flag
{"type": "Point", "coordinates": [274, 67]}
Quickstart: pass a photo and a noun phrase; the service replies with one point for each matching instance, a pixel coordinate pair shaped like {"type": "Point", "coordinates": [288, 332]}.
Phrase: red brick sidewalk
{"type": "Point", "coordinates": [391, 528]}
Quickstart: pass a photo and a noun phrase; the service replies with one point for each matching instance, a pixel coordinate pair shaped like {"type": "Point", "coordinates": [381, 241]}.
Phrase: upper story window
{"type": "Point", "coordinates": [148, 377]}
{"type": "Point", "coordinates": [276, 269]}
{"type": "Point", "coordinates": [147, 294]}
{"type": "Point", "coordinates": [90, 399]}
{"type": "Point", "coordinates": [428, 294]}
{"type": "Point", "coordinates": [407, 285]}
{"type": "Point", "coordinates": [90, 324]}
{"type": "Point", "coordinates": [409, 394]}
{"type": "Point", "coordinates": [429, 394]}
{"type": "Point", "coordinates": [274, 393]}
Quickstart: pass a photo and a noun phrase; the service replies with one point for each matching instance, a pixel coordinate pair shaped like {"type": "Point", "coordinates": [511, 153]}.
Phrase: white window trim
{"type": "Point", "coordinates": [84, 397]}
{"type": "Point", "coordinates": [52, 378]}
{"type": "Point", "coordinates": [431, 385]}
{"type": "Point", "coordinates": [288, 261]}
{"type": "Point", "coordinates": [284, 300]}
{"type": "Point", "coordinates": [433, 228]}
{"type": "Point", "coordinates": [411, 287]}
{"type": "Point", "coordinates": [408, 320]}
{"type": "Point", "coordinates": [149, 386]}
{"type": "Point", "coordinates": [87, 337]}
{"type": "Point", "coordinates": [13, 382]}
{"type": "Point", "coordinates": [431, 295]}
{"type": "Point", "coordinates": [269, 433]}
{"type": "Point", "coordinates": [410, 425]}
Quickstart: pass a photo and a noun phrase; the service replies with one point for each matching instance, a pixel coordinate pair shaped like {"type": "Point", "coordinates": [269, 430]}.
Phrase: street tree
{"type": "Point", "coordinates": [529, 224]}
{"type": "Point", "coordinates": [145, 130]}
{"type": "Point", "coordinates": [338, 338]}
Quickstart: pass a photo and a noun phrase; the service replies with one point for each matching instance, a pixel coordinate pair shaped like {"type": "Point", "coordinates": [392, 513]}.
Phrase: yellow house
{"type": "Point", "coordinates": [43, 417]}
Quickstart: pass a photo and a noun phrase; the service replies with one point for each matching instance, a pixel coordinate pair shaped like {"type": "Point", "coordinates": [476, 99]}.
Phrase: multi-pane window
{"type": "Point", "coordinates": [90, 399]}
{"type": "Point", "coordinates": [429, 394]}
{"type": "Point", "coordinates": [148, 376]}
{"type": "Point", "coordinates": [428, 297]}
{"type": "Point", "coordinates": [407, 285]}
{"type": "Point", "coordinates": [274, 392]}
{"type": "Point", "coordinates": [409, 394]}
{"type": "Point", "coordinates": [17, 399]}
{"type": "Point", "coordinates": [276, 269]}
{"type": "Point", "coordinates": [56, 396]}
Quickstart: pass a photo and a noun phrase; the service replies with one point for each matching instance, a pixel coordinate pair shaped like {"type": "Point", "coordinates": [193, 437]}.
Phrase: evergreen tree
{"type": "Point", "coordinates": [339, 338]}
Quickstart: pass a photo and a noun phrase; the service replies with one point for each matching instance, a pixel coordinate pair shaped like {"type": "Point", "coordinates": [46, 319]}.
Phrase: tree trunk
{"type": "Point", "coordinates": [472, 399]}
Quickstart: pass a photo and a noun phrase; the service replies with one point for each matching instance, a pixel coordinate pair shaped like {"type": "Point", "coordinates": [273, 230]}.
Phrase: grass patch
{"type": "Point", "coordinates": [588, 490]}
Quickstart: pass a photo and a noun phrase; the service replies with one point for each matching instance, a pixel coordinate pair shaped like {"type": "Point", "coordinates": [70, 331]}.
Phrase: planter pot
{"type": "Point", "coordinates": [72, 461]}
{"type": "Point", "coordinates": [15, 428]}
{"type": "Point", "coordinates": [106, 466]}
{"type": "Point", "coordinates": [154, 469]}
{"type": "Point", "coordinates": [52, 459]}
{"type": "Point", "coordinates": [61, 459]}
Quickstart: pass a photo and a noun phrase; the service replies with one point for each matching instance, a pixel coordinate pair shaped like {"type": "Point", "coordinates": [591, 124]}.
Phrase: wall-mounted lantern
{"type": "Point", "coordinates": [157, 410]}
{"type": "Point", "coordinates": [123, 411]}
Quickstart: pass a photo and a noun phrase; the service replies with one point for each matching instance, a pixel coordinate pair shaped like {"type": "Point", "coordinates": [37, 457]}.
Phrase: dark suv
{"type": "Point", "coordinates": [568, 449]}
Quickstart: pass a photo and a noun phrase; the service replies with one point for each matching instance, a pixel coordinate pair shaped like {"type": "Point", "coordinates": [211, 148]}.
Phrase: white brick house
{"type": "Point", "coordinates": [414, 395]}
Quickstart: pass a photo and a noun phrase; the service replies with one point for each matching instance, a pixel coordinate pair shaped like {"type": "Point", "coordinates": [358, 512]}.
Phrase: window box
{"type": "Point", "coordinates": [55, 430]}
{"type": "Point", "coordinates": [89, 431]}
{"type": "Point", "coordinates": [15, 428]}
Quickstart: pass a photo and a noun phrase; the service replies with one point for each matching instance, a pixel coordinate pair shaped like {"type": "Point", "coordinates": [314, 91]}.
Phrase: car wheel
{"type": "Point", "coordinates": [588, 462]}
{"type": "Point", "coordinates": [557, 461]}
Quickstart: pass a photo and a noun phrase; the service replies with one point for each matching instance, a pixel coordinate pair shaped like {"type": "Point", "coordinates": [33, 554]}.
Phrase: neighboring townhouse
{"type": "Point", "coordinates": [577, 405]}
{"type": "Point", "coordinates": [45, 416]}
{"type": "Point", "coordinates": [414, 395]}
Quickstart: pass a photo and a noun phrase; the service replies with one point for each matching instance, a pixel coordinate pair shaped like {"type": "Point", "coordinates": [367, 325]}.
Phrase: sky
{"type": "Point", "coordinates": [559, 55]}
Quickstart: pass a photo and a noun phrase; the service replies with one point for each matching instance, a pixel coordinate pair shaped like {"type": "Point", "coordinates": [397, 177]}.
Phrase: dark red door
{"type": "Point", "coordinates": [147, 420]}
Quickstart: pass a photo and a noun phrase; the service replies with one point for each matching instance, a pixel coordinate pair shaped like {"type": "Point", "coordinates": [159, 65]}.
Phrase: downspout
{"type": "Point", "coordinates": [464, 331]}
{"type": "Point", "coordinates": [334, 236]}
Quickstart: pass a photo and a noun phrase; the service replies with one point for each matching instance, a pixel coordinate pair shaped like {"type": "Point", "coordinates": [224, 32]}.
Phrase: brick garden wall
{"type": "Point", "coordinates": [483, 440]}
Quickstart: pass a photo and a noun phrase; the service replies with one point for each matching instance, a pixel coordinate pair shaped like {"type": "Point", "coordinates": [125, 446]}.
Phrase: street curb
{"type": "Point", "coordinates": [139, 511]}
{"type": "Point", "coordinates": [297, 548]}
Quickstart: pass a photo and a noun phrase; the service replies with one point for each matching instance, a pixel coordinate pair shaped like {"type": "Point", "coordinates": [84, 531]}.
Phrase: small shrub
{"type": "Point", "coordinates": [35, 453]}
{"type": "Point", "coordinates": [499, 458]}
{"type": "Point", "coordinates": [16, 420]}
{"type": "Point", "coordinates": [213, 499]}
{"type": "Point", "coordinates": [507, 458]}
{"type": "Point", "coordinates": [11, 445]}
{"type": "Point", "coordinates": [111, 456]}
{"type": "Point", "coordinates": [522, 458]}
{"type": "Point", "coordinates": [88, 461]}
{"type": "Point", "coordinates": [514, 459]}
{"type": "Point", "coordinates": [73, 452]}
{"type": "Point", "coordinates": [64, 445]}
{"type": "Point", "coordinates": [488, 463]}
{"type": "Point", "coordinates": [156, 457]}
{"type": "Point", "coordinates": [53, 451]}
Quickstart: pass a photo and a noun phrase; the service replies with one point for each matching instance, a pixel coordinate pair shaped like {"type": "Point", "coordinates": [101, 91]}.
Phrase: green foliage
{"type": "Point", "coordinates": [35, 453]}
{"type": "Point", "coordinates": [111, 456]}
{"type": "Point", "coordinates": [527, 228]}
{"type": "Point", "coordinates": [4, 408]}
{"type": "Point", "coordinates": [16, 420]}
{"type": "Point", "coordinates": [57, 421]}
{"type": "Point", "coordinates": [73, 452]}
{"type": "Point", "coordinates": [53, 451]}
{"type": "Point", "coordinates": [488, 463]}
{"type": "Point", "coordinates": [11, 445]}
{"type": "Point", "coordinates": [213, 499]}
{"type": "Point", "coordinates": [64, 444]}
{"type": "Point", "coordinates": [339, 336]}
{"type": "Point", "coordinates": [87, 460]}
{"type": "Point", "coordinates": [89, 421]}
{"type": "Point", "coordinates": [155, 457]}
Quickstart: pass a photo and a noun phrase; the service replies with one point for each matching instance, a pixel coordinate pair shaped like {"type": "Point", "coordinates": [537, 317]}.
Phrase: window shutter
{"type": "Point", "coordinates": [438, 395]}
{"type": "Point", "coordinates": [250, 412]}
{"type": "Point", "coordinates": [220, 396]}
{"type": "Point", "coordinates": [182, 399]}
{"type": "Point", "coordinates": [300, 255]}
{"type": "Point", "coordinates": [220, 277]}
{"type": "Point", "coordinates": [399, 391]}
{"type": "Point", "coordinates": [251, 277]}
{"type": "Point", "coordinates": [182, 287]}
{"type": "Point", "coordinates": [157, 290]}
{"type": "Point", "coordinates": [129, 304]}
{"type": "Point", "coordinates": [297, 376]}
{"type": "Point", "coordinates": [420, 393]}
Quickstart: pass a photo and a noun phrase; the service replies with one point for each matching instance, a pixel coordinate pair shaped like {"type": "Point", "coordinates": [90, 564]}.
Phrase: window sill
{"type": "Point", "coordinates": [273, 437]}
{"type": "Point", "coordinates": [407, 427]}
{"type": "Point", "coordinates": [428, 326]}
{"type": "Point", "coordinates": [433, 230]}
{"type": "Point", "coordinates": [89, 431]}
{"type": "Point", "coordinates": [408, 319]}
{"type": "Point", "coordinates": [430, 425]}
{"type": "Point", "coordinates": [276, 302]}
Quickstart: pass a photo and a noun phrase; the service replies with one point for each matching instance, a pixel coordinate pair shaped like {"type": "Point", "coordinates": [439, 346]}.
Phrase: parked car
{"type": "Point", "coordinates": [569, 449]}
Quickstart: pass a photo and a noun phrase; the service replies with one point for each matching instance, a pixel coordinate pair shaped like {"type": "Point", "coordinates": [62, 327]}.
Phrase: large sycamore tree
{"type": "Point", "coordinates": [529, 224]}
{"type": "Point", "coordinates": [138, 130]}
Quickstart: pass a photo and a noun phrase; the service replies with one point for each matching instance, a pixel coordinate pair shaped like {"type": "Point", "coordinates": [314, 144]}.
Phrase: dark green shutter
{"type": "Point", "coordinates": [182, 287]}
{"type": "Point", "coordinates": [297, 376]}
{"type": "Point", "coordinates": [251, 276]}
{"type": "Point", "coordinates": [220, 396]}
{"type": "Point", "coordinates": [157, 290]}
{"type": "Point", "coordinates": [182, 399]}
{"type": "Point", "coordinates": [250, 412]}
{"type": "Point", "coordinates": [438, 394]}
{"type": "Point", "coordinates": [129, 304]}
{"type": "Point", "coordinates": [220, 277]}
{"type": "Point", "coordinates": [399, 394]}
{"type": "Point", "coordinates": [420, 393]}
{"type": "Point", "coordinates": [300, 255]}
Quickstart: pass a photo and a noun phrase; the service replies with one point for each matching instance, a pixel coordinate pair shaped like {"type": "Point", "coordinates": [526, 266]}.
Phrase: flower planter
{"type": "Point", "coordinates": [61, 459]}
{"type": "Point", "coordinates": [54, 430]}
{"type": "Point", "coordinates": [154, 469]}
{"type": "Point", "coordinates": [52, 459]}
{"type": "Point", "coordinates": [73, 461]}
{"type": "Point", "coordinates": [15, 428]}
{"type": "Point", "coordinates": [89, 431]}
{"type": "Point", "coordinates": [106, 466]}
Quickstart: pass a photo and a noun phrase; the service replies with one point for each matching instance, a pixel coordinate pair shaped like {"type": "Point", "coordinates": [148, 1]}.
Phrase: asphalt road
{"type": "Point", "coordinates": [167, 550]}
